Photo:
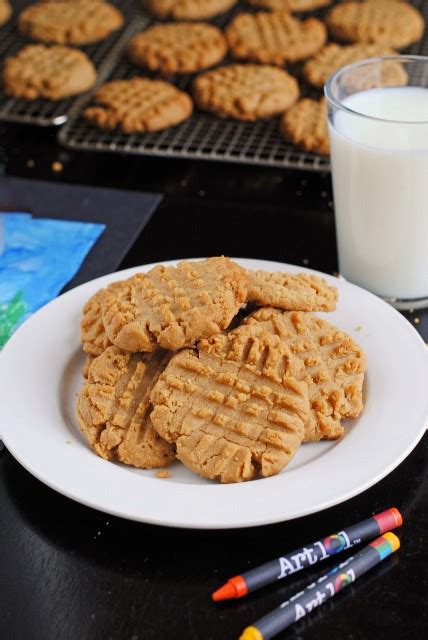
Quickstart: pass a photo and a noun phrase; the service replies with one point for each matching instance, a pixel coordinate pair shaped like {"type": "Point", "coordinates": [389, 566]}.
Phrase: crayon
{"type": "Point", "coordinates": [324, 588]}
{"type": "Point", "coordinates": [290, 563]}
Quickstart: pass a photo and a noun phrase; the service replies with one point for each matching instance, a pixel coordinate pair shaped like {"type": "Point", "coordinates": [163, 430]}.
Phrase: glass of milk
{"type": "Point", "coordinates": [378, 127]}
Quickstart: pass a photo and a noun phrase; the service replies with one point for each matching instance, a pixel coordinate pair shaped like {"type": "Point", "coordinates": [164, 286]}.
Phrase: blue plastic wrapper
{"type": "Point", "coordinates": [37, 258]}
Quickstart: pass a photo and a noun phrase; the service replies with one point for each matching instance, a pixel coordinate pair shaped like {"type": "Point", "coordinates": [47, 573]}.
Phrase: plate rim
{"type": "Point", "coordinates": [93, 284]}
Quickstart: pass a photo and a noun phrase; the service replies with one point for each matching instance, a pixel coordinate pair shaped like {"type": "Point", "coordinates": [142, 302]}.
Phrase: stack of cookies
{"type": "Point", "coordinates": [262, 41]}
{"type": "Point", "coordinates": [224, 369]}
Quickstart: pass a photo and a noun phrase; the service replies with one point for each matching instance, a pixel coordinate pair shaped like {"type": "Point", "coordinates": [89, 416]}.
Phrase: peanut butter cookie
{"type": "Point", "coordinates": [56, 72]}
{"type": "Point", "coordinates": [138, 105]}
{"type": "Point", "coordinates": [234, 411]}
{"type": "Point", "coordinates": [274, 37]}
{"type": "Point", "coordinates": [334, 367]}
{"type": "Point", "coordinates": [70, 22]}
{"type": "Point", "coordinates": [5, 11]}
{"type": "Point", "coordinates": [305, 125]}
{"type": "Point", "coordinates": [298, 6]}
{"type": "Point", "coordinates": [183, 47]}
{"type": "Point", "coordinates": [93, 335]}
{"type": "Point", "coordinates": [394, 24]}
{"type": "Point", "coordinates": [245, 92]}
{"type": "Point", "coordinates": [292, 292]}
{"type": "Point", "coordinates": [333, 56]}
{"type": "Point", "coordinates": [188, 9]}
{"type": "Point", "coordinates": [113, 408]}
{"type": "Point", "coordinates": [172, 307]}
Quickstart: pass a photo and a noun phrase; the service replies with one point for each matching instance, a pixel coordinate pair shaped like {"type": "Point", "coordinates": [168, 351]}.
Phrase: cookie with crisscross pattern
{"type": "Point", "coordinates": [5, 11]}
{"type": "Point", "coordinates": [305, 125]}
{"type": "Point", "coordinates": [234, 411]}
{"type": "Point", "coordinates": [173, 307]}
{"type": "Point", "coordinates": [245, 92]}
{"type": "Point", "coordinates": [113, 408]}
{"type": "Point", "coordinates": [70, 22]}
{"type": "Point", "coordinates": [334, 366]}
{"type": "Point", "coordinates": [187, 9]}
{"type": "Point", "coordinates": [138, 105]}
{"type": "Point", "coordinates": [55, 72]}
{"type": "Point", "coordinates": [290, 5]}
{"type": "Point", "coordinates": [274, 37]}
{"type": "Point", "coordinates": [183, 47]}
{"type": "Point", "coordinates": [333, 56]}
{"type": "Point", "coordinates": [395, 24]}
{"type": "Point", "coordinates": [290, 291]}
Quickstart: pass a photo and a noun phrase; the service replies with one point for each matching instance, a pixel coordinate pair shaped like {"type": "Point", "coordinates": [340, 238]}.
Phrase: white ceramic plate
{"type": "Point", "coordinates": [40, 373]}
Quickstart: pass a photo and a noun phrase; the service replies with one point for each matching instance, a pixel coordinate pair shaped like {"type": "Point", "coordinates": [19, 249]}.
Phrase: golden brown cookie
{"type": "Point", "coordinates": [391, 73]}
{"type": "Point", "coordinates": [305, 125]}
{"type": "Point", "coordinates": [172, 307]}
{"type": "Point", "coordinates": [113, 408]}
{"type": "Point", "coordinates": [138, 105]}
{"type": "Point", "coordinates": [292, 292]}
{"type": "Point", "coordinates": [334, 367]}
{"type": "Point", "coordinates": [183, 47]}
{"type": "Point", "coordinates": [334, 56]}
{"type": "Point", "coordinates": [394, 24]}
{"type": "Point", "coordinates": [70, 22]}
{"type": "Point", "coordinates": [5, 11]}
{"type": "Point", "coordinates": [234, 412]}
{"type": "Point", "coordinates": [93, 335]}
{"type": "Point", "coordinates": [274, 37]}
{"type": "Point", "coordinates": [290, 5]}
{"type": "Point", "coordinates": [56, 72]}
{"type": "Point", "coordinates": [245, 92]}
{"type": "Point", "coordinates": [188, 9]}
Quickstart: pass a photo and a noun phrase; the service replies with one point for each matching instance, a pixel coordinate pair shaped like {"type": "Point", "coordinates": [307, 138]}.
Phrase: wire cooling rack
{"type": "Point", "coordinates": [48, 112]}
{"type": "Point", "coordinates": [203, 136]}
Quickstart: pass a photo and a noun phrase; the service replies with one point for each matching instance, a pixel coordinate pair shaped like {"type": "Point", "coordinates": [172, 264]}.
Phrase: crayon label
{"type": "Point", "coordinates": [313, 553]}
{"type": "Point", "coordinates": [319, 591]}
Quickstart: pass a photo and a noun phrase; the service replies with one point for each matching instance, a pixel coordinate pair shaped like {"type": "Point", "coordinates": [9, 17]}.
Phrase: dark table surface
{"type": "Point", "coordinates": [67, 571]}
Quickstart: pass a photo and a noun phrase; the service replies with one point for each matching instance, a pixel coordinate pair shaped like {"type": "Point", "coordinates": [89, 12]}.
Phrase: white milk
{"type": "Point", "coordinates": [380, 181]}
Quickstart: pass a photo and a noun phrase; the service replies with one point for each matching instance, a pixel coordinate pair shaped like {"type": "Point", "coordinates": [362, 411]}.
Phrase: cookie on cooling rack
{"type": "Point", "coordinates": [395, 24]}
{"type": "Point", "coordinates": [183, 47]}
{"type": "Point", "coordinates": [188, 9]}
{"type": "Point", "coordinates": [138, 105]}
{"type": "Point", "coordinates": [274, 37]}
{"type": "Point", "coordinates": [5, 11]}
{"type": "Point", "coordinates": [76, 23]}
{"type": "Point", "coordinates": [333, 56]}
{"type": "Point", "coordinates": [299, 6]}
{"type": "Point", "coordinates": [305, 125]}
{"type": "Point", "coordinates": [40, 71]}
{"type": "Point", "coordinates": [245, 91]}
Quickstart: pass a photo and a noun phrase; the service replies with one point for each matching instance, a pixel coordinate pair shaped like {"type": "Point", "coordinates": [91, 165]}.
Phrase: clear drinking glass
{"type": "Point", "coordinates": [378, 127]}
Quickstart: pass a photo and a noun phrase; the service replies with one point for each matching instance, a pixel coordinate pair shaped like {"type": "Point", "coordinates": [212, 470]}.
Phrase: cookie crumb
{"type": "Point", "coordinates": [305, 261]}
{"type": "Point", "coordinates": [163, 473]}
{"type": "Point", "coordinates": [358, 327]}
{"type": "Point", "coordinates": [57, 167]}
{"type": "Point", "coordinates": [417, 320]}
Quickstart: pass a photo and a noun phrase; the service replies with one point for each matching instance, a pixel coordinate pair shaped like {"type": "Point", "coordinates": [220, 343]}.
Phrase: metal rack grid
{"type": "Point", "coordinates": [48, 112]}
{"type": "Point", "coordinates": [203, 136]}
